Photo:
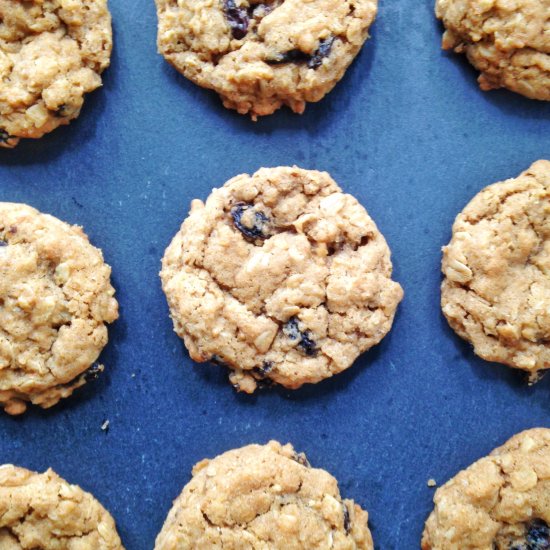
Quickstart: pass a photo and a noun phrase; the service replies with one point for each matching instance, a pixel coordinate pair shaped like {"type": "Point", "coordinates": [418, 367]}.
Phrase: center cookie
{"type": "Point", "coordinates": [496, 291]}
{"type": "Point", "coordinates": [260, 497]}
{"type": "Point", "coordinates": [55, 300]}
{"type": "Point", "coordinates": [280, 277]}
{"type": "Point", "coordinates": [52, 53]}
{"type": "Point", "coordinates": [44, 512]}
{"type": "Point", "coordinates": [501, 502]}
{"type": "Point", "coordinates": [260, 55]}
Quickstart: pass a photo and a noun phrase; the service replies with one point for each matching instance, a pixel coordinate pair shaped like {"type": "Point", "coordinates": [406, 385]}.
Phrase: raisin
{"type": "Point", "coordinates": [6, 139]}
{"type": "Point", "coordinates": [305, 344]}
{"type": "Point", "coordinates": [347, 522]}
{"type": "Point", "coordinates": [264, 370]}
{"type": "Point", "coordinates": [65, 110]}
{"type": "Point", "coordinates": [538, 535]}
{"type": "Point", "coordinates": [292, 56]}
{"type": "Point", "coordinates": [218, 361]}
{"type": "Point", "coordinates": [93, 372]}
{"type": "Point", "coordinates": [313, 61]}
{"type": "Point", "coordinates": [256, 230]}
{"type": "Point", "coordinates": [61, 111]}
{"type": "Point", "coordinates": [88, 376]}
{"type": "Point", "coordinates": [325, 46]}
{"type": "Point", "coordinates": [237, 18]}
{"type": "Point", "coordinates": [301, 459]}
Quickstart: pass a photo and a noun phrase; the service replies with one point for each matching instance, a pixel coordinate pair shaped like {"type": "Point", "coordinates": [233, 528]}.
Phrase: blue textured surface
{"type": "Point", "coordinates": [410, 135]}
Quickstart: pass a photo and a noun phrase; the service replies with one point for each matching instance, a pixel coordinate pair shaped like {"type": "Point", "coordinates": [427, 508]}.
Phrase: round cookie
{"type": "Point", "coordinates": [501, 502]}
{"type": "Point", "coordinates": [259, 55]}
{"type": "Point", "coordinates": [52, 53]}
{"type": "Point", "coordinates": [44, 512]}
{"type": "Point", "coordinates": [496, 291]}
{"type": "Point", "coordinates": [506, 40]}
{"type": "Point", "coordinates": [281, 277]}
{"type": "Point", "coordinates": [263, 497]}
{"type": "Point", "coordinates": [55, 298]}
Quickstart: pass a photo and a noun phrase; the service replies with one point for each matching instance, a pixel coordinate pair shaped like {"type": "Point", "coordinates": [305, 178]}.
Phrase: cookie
{"type": "Point", "coordinates": [501, 502]}
{"type": "Point", "coordinates": [496, 290]}
{"type": "Point", "coordinates": [55, 298]}
{"type": "Point", "coordinates": [52, 53]}
{"type": "Point", "coordinates": [506, 40]}
{"type": "Point", "coordinates": [259, 56]}
{"type": "Point", "coordinates": [44, 512]}
{"type": "Point", "coordinates": [263, 497]}
{"type": "Point", "coordinates": [280, 277]}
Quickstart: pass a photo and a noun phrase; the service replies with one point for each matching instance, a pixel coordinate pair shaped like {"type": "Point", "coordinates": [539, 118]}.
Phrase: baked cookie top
{"type": "Point", "coordinates": [281, 277]}
{"type": "Point", "coordinates": [263, 497]}
{"type": "Point", "coordinates": [55, 298]}
{"type": "Point", "coordinates": [44, 512]}
{"type": "Point", "coordinates": [507, 40]}
{"type": "Point", "coordinates": [501, 502]}
{"type": "Point", "coordinates": [51, 54]}
{"type": "Point", "coordinates": [259, 55]}
{"type": "Point", "coordinates": [496, 290]}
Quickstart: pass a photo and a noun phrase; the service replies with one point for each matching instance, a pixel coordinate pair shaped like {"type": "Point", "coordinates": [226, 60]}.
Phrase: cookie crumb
{"type": "Point", "coordinates": [105, 426]}
{"type": "Point", "coordinates": [432, 482]}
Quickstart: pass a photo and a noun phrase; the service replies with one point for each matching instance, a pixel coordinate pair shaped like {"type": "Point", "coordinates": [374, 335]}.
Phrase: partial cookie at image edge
{"type": "Point", "coordinates": [261, 56]}
{"type": "Point", "coordinates": [264, 496]}
{"type": "Point", "coordinates": [44, 511]}
{"type": "Point", "coordinates": [51, 55]}
{"type": "Point", "coordinates": [500, 502]}
{"type": "Point", "coordinates": [56, 299]}
{"type": "Point", "coordinates": [496, 288]}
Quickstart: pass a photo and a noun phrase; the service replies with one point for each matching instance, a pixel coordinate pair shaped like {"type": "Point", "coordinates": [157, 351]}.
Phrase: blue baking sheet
{"type": "Point", "coordinates": [408, 132]}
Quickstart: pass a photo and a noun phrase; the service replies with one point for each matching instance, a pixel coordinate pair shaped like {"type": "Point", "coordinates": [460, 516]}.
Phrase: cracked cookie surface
{"type": "Point", "coordinates": [44, 512]}
{"type": "Point", "coordinates": [508, 41]}
{"type": "Point", "coordinates": [52, 53]}
{"type": "Point", "coordinates": [55, 298]}
{"type": "Point", "coordinates": [259, 56]}
{"type": "Point", "coordinates": [496, 290]}
{"type": "Point", "coordinates": [281, 277]}
{"type": "Point", "coordinates": [263, 497]}
{"type": "Point", "coordinates": [501, 502]}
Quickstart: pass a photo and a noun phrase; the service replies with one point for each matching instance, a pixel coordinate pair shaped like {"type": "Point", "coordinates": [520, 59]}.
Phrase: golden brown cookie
{"type": "Point", "coordinates": [260, 55]}
{"type": "Point", "coordinates": [496, 291]}
{"type": "Point", "coordinates": [263, 498]}
{"type": "Point", "coordinates": [508, 41]}
{"type": "Point", "coordinates": [52, 53]}
{"type": "Point", "coordinates": [281, 277]}
{"type": "Point", "coordinates": [501, 502]}
{"type": "Point", "coordinates": [44, 512]}
{"type": "Point", "coordinates": [55, 300]}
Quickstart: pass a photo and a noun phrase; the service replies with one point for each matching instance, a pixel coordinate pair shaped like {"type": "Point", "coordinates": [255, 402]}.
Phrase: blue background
{"type": "Point", "coordinates": [408, 132]}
